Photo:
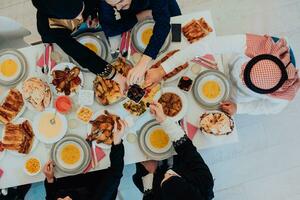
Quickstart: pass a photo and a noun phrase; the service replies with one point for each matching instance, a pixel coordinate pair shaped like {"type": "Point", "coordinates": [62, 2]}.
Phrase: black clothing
{"type": "Point", "coordinates": [99, 185]}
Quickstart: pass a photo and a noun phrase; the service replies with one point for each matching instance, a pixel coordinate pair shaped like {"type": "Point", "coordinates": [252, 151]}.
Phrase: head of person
{"type": "Point", "coordinates": [120, 4]}
{"type": "Point", "coordinates": [60, 9]}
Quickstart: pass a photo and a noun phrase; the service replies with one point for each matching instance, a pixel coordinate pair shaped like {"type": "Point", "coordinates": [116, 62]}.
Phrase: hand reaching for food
{"type": "Point", "coordinates": [154, 75]}
{"type": "Point", "coordinates": [228, 107]}
{"type": "Point", "coordinates": [48, 170]}
{"type": "Point", "coordinates": [136, 75]}
{"type": "Point", "coordinates": [121, 80]}
{"type": "Point", "coordinates": [119, 130]}
{"type": "Point", "coordinates": [157, 110]}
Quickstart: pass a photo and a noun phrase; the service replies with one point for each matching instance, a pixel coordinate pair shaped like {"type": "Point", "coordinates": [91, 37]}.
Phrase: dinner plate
{"type": "Point", "coordinates": [2, 98]}
{"type": "Point", "coordinates": [34, 143]}
{"type": "Point", "coordinates": [81, 164]}
{"type": "Point", "coordinates": [50, 140]}
{"type": "Point", "coordinates": [62, 66]}
{"type": "Point", "coordinates": [183, 98]}
{"type": "Point", "coordinates": [99, 42]}
{"type": "Point", "coordinates": [136, 36]}
{"type": "Point", "coordinates": [151, 152]}
{"type": "Point", "coordinates": [220, 79]}
{"type": "Point", "coordinates": [19, 58]}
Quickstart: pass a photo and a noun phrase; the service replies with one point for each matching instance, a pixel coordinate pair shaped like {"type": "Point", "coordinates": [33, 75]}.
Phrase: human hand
{"type": "Point", "coordinates": [150, 165]}
{"type": "Point", "coordinates": [66, 198]}
{"type": "Point", "coordinates": [48, 170]}
{"type": "Point", "coordinates": [154, 75]}
{"type": "Point", "coordinates": [229, 107]}
{"type": "Point", "coordinates": [119, 131]}
{"type": "Point", "coordinates": [121, 80]}
{"type": "Point", "coordinates": [136, 75]}
{"type": "Point", "coordinates": [158, 112]}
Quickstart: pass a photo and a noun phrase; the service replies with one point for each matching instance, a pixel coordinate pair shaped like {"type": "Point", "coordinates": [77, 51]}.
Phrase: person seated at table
{"type": "Point", "coordinates": [98, 185]}
{"type": "Point", "coordinates": [118, 16]}
{"type": "Point", "coordinates": [58, 19]}
{"type": "Point", "coordinates": [262, 84]}
{"type": "Point", "coordinates": [188, 177]}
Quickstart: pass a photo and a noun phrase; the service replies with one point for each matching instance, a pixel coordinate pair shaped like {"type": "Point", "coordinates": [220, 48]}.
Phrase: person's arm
{"type": "Point", "coordinates": [219, 45]}
{"type": "Point", "coordinates": [50, 189]}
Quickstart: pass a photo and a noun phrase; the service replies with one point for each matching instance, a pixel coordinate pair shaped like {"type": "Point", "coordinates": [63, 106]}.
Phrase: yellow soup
{"type": "Point", "coordinates": [92, 47]}
{"type": "Point", "coordinates": [211, 89]}
{"type": "Point", "coordinates": [146, 35]}
{"type": "Point", "coordinates": [46, 128]}
{"type": "Point", "coordinates": [159, 139]}
{"type": "Point", "coordinates": [8, 68]}
{"type": "Point", "coordinates": [70, 154]}
{"type": "Point", "coordinates": [32, 165]}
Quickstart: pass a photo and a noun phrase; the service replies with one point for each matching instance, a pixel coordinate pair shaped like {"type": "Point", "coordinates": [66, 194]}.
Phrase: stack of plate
{"type": "Point", "coordinates": [137, 36]}
{"type": "Point", "coordinates": [95, 43]}
{"type": "Point", "coordinates": [83, 161]}
{"type": "Point", "coordinates": [147, 148]}
{"type": "Point", "coordinates": [13, 67]}
{"type": "Point", "coordinates": [221, 83]}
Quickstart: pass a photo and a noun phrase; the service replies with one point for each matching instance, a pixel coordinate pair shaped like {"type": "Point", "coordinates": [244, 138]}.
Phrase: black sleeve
{"type": "Point", "coordinates": [62, 37]}
{"type": "Point", "coordinates": [91, 8]}
{"type": "Point", "coordinates": [161, 16]}
{"type": "Point", "coordinates": [50, 189]}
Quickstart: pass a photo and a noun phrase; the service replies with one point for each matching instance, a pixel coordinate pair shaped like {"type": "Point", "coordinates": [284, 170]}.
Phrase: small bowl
{"type": "Point", "coordinates": [35, 173]}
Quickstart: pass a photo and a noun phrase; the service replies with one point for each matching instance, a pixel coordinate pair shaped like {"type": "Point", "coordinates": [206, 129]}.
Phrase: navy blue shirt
{"type": "Point", "coordinates": [162, 10]}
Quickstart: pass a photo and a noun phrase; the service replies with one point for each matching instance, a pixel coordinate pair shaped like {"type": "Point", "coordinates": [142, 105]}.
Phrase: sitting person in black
{"type": "Point", "coordinates": [188, 177]}
{"type": "Point", "coordinates": [58, 19]}
{"type": "Point", "coordinates": [98, 185]}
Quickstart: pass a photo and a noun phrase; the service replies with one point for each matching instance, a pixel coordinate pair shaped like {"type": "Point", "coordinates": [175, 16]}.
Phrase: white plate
{"type": "Point", "coordinates": [40, 136]}
{"type": "Point", "coordinates": [19, 69]}
{"type": "Point", "coordinates": [152, 148]}
{"type": "Point", "coordinates": [2, 98]}
{"type": "Point", "coordinates": [34, 143]}
{"type": "Point", "coordinates": [62, 66]}
{"type": "Point", "coordinates": [65, 165]}
{"type": "Point", "coordinates": [86, 39]}
{"type": "Point", "coordinates": [183, 98]}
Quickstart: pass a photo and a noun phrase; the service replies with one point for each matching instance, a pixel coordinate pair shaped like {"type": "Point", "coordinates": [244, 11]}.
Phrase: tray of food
{"type": "Point", "coordinates": [216, 123]}
{"type": "Point", "coordinates": [107, 92]}
{"type": "Point", "coordinates": [66, 78]}
{"type": "Point", "coordinates": [37, 94]}
{"type": "Point", "coordinates": [12, 106]}
{"type": "Point", "coordinates": [196, 30]}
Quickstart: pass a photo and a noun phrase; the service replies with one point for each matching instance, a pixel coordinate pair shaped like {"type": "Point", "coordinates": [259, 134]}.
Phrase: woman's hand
{"type": "Point", "coordinates": [158, 112]}
{"type": "Point", "coordinates": [154, 75]}
{"type": "Point", "coordinates": [228, 107]}
{"type": "Point", "coordinates": [136, 75]}
{"type": "Point", "coordinates": [48, 170]}
{"type": "Point", "coordinates": [119, 131]}
{"type": "Point", "coordinates": [121, 80]}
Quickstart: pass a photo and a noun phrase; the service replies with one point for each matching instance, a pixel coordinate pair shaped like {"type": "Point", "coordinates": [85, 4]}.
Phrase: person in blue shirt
{"type": "Point", "coordinates": [118, 16]}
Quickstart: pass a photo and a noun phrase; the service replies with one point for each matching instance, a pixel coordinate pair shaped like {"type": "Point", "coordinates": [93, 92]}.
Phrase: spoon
{"type": "Point", "coordinates": [52, 121]}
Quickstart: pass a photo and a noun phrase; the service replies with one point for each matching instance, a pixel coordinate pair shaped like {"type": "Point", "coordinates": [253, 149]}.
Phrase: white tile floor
{"type": "Point", "coordinates": [265, 164]}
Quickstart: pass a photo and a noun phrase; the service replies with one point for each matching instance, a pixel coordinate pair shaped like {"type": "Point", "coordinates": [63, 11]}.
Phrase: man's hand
{"type": "Point", "coordinates": [136, 75]}
{"type": "Point", "coordinates": [157, 110]}
{"type": "Point", "coordinates": [228, 107]}
{"type": "Point", "coordinates": [150, 165]}
{"type": "Point", "coordinates": [154, 75]}
{"type": "Point", "coordinates": [48, 170]}
{"type": "Point", "coordinates": [119, 133]}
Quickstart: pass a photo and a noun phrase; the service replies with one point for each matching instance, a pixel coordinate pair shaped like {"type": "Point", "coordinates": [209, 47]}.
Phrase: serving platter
{"type": "Point", "coordinates": [217, 78]}
{"type": "Point", "coordinates": [21, 62]}
{"type": "Point", "coordinates": [78, 166]}
{"type": "Point", "coordinates": [143, 141]}
{"type": "Point", "coordinates": [136, 36]}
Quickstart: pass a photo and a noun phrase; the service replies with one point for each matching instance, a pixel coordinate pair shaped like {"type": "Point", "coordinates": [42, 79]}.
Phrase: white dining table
{"type": "Point", "coordinates": [13, 166]}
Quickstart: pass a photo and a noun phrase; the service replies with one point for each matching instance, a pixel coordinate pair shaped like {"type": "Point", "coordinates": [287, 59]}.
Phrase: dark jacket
{"type": "Point", "coordinates": [98, 185]}
{"type": "Point", "coordinates": [162, 10]}
{"type": "Point", "coordinates": [189, 164]}
{"type": "Point", "coordinates": [62, 37]}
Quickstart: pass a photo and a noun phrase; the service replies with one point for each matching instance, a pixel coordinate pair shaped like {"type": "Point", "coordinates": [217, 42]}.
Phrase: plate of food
{"type": "Point", "coordinates": [216, 123]}
{"type": "Point", "coordinates": [84, 114]}
{"type": "Point", "coordinates": [95, 43]}
{"type": "Point", "coordinates": [154, 141]}
{"type": "Point", "coordinates": [210, 88]}
{"type": "Point", "coordinates": [32, 166]}
{"type": "Point", "coordinates": [196, 29]}
{"type": "Point", "coordinates": [174, 102]}
{"type": "Point", "coordinates": [18, 137]}
{"type": "Point", "coordinates": [107, 92]}
{"type": "Point", "coordinates": [13, 67]}
{"type": "Point", "coordinates": [141, 35]}
{"type": "Point", "coordinates": [175, 73]}
{"type": "Point", "coordinates": [71, 155]}
{"type": "Point", "coordinates": [66, 79]}
{"type": "Point", "coordinates": [12, 106]}
{"type": "Point", "coordinates": [50, 126]}
{"type": "Point", "coordinates": [37, 94]}
{"type": "Point", "coordinates": [101, 127]}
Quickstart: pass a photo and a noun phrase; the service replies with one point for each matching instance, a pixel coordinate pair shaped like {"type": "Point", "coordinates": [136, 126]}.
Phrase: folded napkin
{"type": "Point", "coordinates": [190, 129]}
{"type": "Point", "coordinates": [208, 61]}
{"type": "Point", "coordinates": [1, 173]}
{"type": "Point", "coordinates": [41, 61]}
{"type": "Point", "coordinates": [125, 39]}
{"type": "Point", "coordinates": [100, 154]}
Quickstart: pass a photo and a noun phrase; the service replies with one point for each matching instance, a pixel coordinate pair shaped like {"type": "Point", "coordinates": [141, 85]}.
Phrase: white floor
{"type": "Point", "coordinates": [265, 164]}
